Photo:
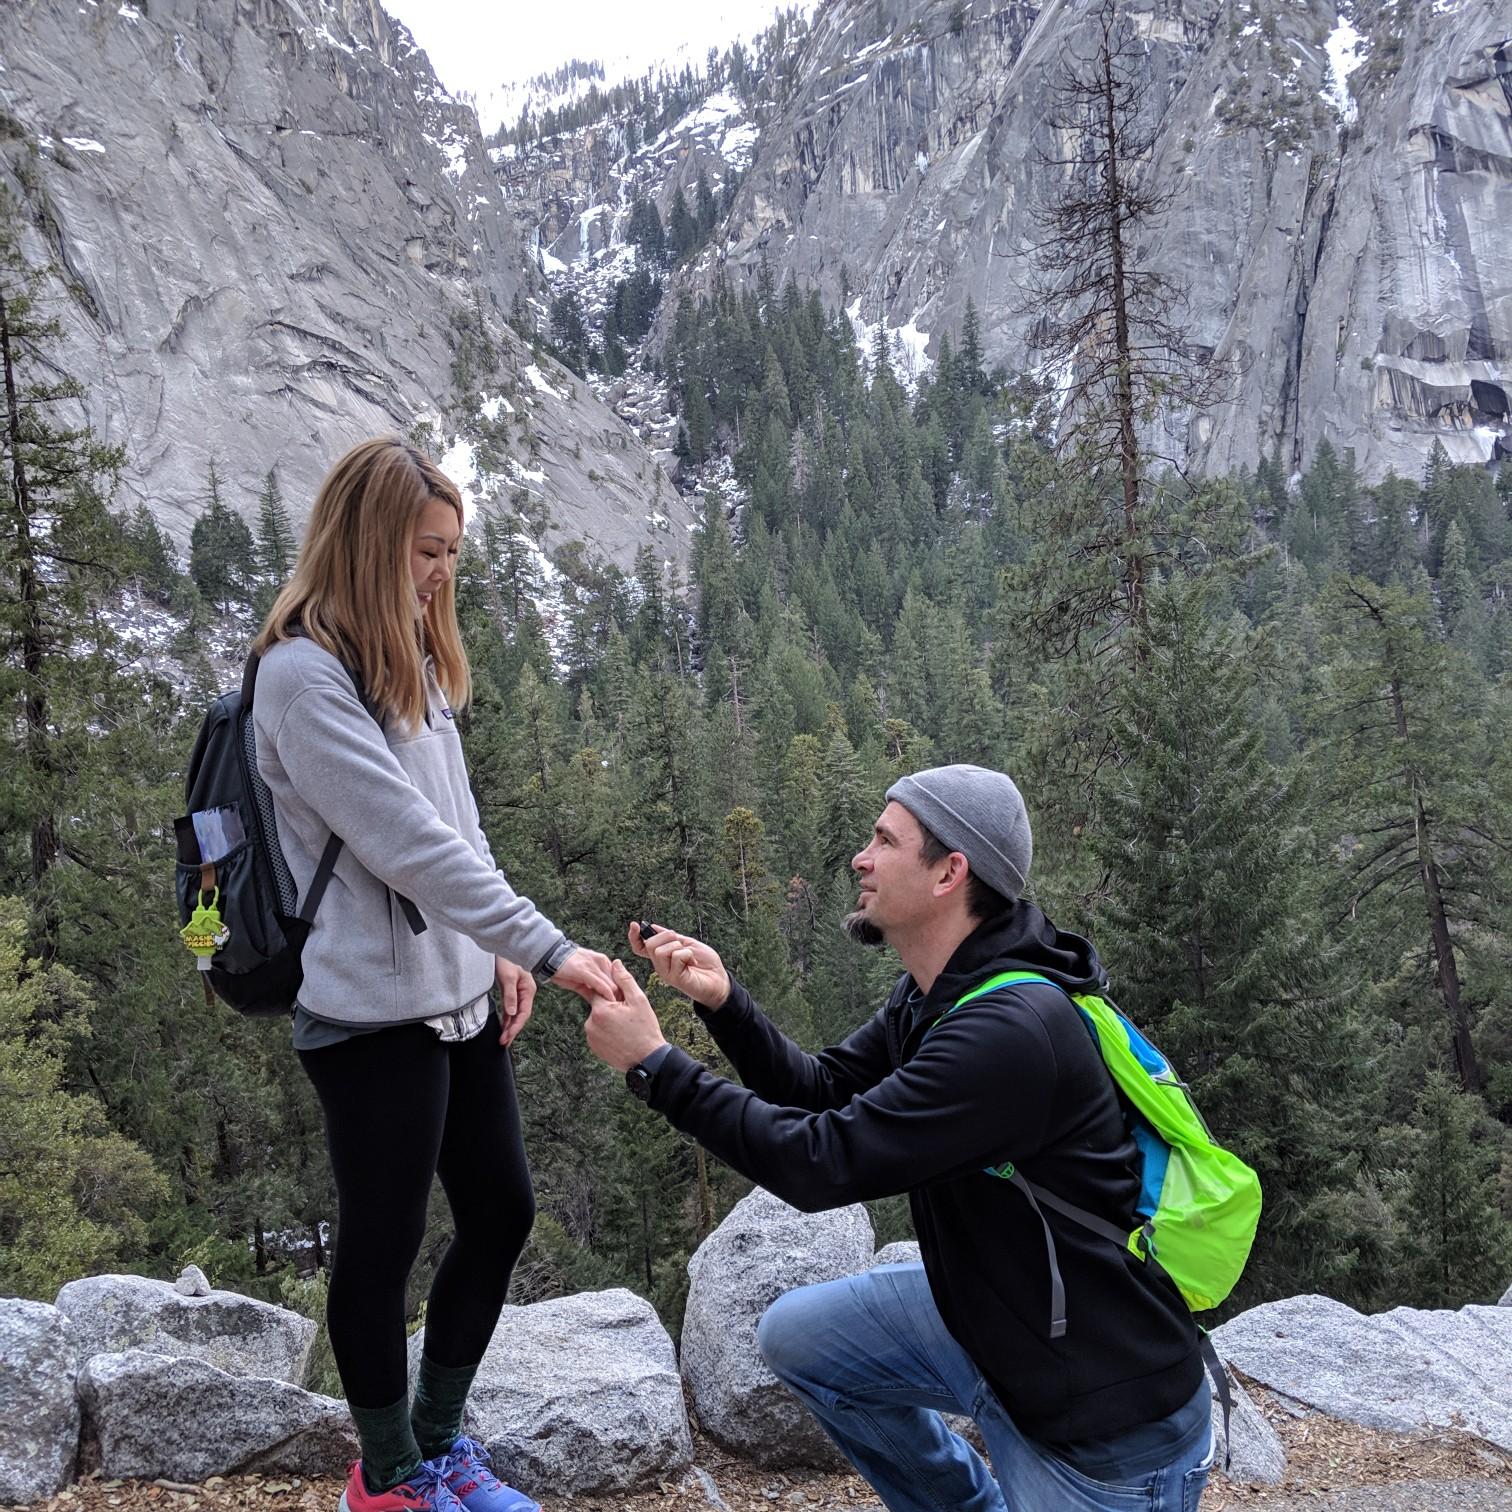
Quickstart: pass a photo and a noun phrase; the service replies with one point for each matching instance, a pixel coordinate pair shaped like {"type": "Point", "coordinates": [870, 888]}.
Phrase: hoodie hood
{"type": "Point", "coordinates": [1022, 939]}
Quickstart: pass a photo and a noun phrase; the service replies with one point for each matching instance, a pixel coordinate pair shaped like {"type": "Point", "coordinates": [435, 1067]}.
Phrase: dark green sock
{"type": "Point", "coordinates": [440, 1396]}
{"type": "Point", "coordinates": [389, 1451]}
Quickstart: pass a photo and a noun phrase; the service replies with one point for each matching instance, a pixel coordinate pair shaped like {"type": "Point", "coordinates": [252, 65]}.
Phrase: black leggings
{"type": "Point", "coordinates": [401, 1107]}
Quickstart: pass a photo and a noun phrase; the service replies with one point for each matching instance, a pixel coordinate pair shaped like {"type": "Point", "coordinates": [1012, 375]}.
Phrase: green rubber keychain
{"type": "Point", "coordinates": [205, 932]}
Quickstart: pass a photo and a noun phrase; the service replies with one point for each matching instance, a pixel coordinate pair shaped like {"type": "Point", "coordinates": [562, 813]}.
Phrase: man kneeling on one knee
{"type": "Point", "coordinates": [1106, 1409]}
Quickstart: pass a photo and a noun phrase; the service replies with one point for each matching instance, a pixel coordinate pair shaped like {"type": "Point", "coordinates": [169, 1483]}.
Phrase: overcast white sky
{"type": "Point", "coordinates": [480, 45]}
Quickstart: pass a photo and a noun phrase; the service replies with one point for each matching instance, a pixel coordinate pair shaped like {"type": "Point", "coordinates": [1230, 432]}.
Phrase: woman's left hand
{"type": "Point", "coordinates": [517, 990]}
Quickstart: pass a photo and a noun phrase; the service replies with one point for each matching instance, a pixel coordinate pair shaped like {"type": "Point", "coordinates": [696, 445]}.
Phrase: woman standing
{"type": "Point", "coordinates": [394, 1024]}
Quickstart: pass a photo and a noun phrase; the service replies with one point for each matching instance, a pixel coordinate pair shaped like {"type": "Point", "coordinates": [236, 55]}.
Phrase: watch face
{"type": "Point", "coordinates": [638, 1080]}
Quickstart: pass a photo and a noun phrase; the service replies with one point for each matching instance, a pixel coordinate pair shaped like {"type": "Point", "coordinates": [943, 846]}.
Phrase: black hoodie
{"type": "Point", "coordinates": [901, 1106]}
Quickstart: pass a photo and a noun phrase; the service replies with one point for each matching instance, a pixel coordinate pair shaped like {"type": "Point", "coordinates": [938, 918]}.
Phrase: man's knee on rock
{"type": "Point", "coordinates": [785, 1334]}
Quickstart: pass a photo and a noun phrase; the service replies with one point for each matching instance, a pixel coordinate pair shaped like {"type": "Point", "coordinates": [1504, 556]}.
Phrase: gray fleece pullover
{"type": "Point", "coordinates": [400, 800]}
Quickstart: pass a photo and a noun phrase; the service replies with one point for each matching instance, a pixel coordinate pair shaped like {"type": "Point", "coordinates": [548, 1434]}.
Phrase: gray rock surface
{"type": "Point", "coordinates": [39, 1411]}
{"type": "Point", "coordinates": [579, 1395]}
{"type": "Point", "coordinates": [700, 1481]}
{"type": "Point", "coordinates": [899, 1252]}
{"type": "Point", "coordinates": [150, 1415]}
{"type": "Point", "coordinates": [271, 226]}
{"type": "Point", "coordinates": [192, 1282]}
{"type": "Point", "coordinates": [762, 1249]}
{"type": "Point", "coordinates": [1398, 1371]}
{"type": "Point", "coordinates": [1256, 1455]}
{"type": "Point", "coordinates": [1342, 247]}
{"type": "Point", "coordinates": [1506, 1298]}
{"type": "Point", "coordinates": [238, 1334]}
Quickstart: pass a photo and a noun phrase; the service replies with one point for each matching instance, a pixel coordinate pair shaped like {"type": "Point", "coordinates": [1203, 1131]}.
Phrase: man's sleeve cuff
{"type": "Point", "coordinates": [553, 961]}
{"type": "Point", "coordinates": [653, 1061]}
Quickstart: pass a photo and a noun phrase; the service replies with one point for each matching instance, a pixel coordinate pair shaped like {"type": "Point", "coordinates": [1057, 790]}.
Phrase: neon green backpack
{"type": "Point", "coordinates": [1199, 1203]}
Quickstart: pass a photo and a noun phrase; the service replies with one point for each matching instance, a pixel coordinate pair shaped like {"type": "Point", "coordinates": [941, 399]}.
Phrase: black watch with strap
{"type": "Point", "coordinates": [639, 1080]}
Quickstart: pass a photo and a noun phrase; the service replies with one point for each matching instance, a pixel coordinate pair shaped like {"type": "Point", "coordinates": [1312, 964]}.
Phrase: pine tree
{"type": "Point", "coordinates": [706, 212]}
{"type": "Point", "coordinates": [752, 899]}
{"type": "Point", "coordinates": [1454, 1237]}
{"type": "Point", "coordinates": [911, 687]}
{"type": "Point", "coordinates": [970, 374]}
{"type": "Point", "coordinates": [645, 232]}
{"type": "Point", "coordinates": [847, 804]}
{"type": "Point", "coordinates": [1421, 846]}
{"type": "Point", "coordinates": [514, 572]}
{"type": "Point", "coordinates": [62, 548]}
{"type": "Point", "coordinates": [1393, 547]}
{"type": "Point", "coordinates": [1466, 495]}
{"type": "Point", "coordinates": [1109, 323]}
{"type": "Point", "coordinates": [682, 229]}
{"type": "Point", "coordinates": [569, 331]}
{"type": "Point", "coordinates": [93, 780]}
{"type": "Point", "coordinates": [1211, 940]}
{"type": "Point", "coordinates": [848, 982]}
{"type": "Point", "coordinates": [75, 1197]}
{"type": "Point", "coordinates": [152, 562]}
{"type": "Point", "coordinates": [1317, 530]}
{"type": "Point", "coordinates": [222, 554]}
{"type": "Point", "coordinates": [276, 547]}
{"type": "Point", "coordinates": [1466, 624]}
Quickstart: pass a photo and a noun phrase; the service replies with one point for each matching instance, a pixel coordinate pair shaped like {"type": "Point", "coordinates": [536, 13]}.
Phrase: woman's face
{"type": "Point", "coordinates": [433, 550]}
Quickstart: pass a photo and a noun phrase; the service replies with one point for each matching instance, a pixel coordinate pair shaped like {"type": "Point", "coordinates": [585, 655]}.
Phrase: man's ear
{"type": "Point", "coordinates": [955, 869]}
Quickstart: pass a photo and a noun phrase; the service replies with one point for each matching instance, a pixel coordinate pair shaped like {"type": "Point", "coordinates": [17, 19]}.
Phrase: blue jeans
{"type": "Point", "coordinates": [871, 1359]}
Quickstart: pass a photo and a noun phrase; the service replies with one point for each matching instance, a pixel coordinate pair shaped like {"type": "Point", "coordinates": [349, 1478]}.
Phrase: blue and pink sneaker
{"type": "Point", "coordinates": [425, 1491]}
{"type": "Point", "coordinates": [476, 1486]}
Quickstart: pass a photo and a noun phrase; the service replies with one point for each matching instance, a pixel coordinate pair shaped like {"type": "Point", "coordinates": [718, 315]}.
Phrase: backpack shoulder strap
{"type": "Point", "coordinates": [1002, 979]}
{"type": "Point", "coordinates": [249, 679]}
{"type": "Point", "coordinates": [1037, 1196]}
{"type": "Point", "coordinates": [332, 852]}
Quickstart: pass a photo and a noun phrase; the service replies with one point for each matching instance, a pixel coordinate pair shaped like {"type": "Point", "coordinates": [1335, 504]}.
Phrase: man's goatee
{"type": "Point", "coordinates": [862, 930]}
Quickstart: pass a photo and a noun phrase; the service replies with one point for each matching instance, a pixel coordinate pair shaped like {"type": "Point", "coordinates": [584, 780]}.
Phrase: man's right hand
{"type": "Point", "coordinates": [686, 964]}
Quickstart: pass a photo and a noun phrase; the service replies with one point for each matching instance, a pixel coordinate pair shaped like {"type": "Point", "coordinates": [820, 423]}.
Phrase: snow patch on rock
{"type": "Point", "coordinates": [1345, 54]}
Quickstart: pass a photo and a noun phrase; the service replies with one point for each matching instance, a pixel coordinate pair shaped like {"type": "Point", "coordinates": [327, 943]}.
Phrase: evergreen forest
{"type": "Point", "coordinates": [1261, 722]}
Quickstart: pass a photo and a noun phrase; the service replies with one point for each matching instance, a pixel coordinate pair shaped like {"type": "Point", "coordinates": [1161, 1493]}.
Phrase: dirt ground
{"type": "Point", "coordinates": [1322, 1456]}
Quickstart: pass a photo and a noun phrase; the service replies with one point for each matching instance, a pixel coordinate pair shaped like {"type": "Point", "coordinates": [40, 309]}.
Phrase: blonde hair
{"type": "Point", "coordinates": [352, 591]}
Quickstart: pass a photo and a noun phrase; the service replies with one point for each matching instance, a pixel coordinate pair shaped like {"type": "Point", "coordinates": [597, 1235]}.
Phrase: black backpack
{"type": "Point", "coordinates": [256, 969]}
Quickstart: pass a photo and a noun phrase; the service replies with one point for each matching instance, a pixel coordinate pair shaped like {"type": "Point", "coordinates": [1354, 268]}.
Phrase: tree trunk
{"type": "Point", "coordinates": [1466, 1065]}
{"type": "Point", "coordinates": [1128, 440]}
{"type": "Point", "coordinates": [645, 1208]}
{"type": "Point", "coordinates": [705, 1194]}
{"type": "Point", "coordinates": [44, 829]}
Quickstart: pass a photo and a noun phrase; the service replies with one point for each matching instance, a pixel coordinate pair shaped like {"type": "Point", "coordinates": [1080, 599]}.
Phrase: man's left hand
{"type": "Point", "coordinates": [623, 1031]}
{"type": "Point", "coordinates": [517, 990]}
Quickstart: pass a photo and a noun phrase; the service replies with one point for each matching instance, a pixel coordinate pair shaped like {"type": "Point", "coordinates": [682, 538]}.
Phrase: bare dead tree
{"type": "Point", "coordinates": [1109, 334]}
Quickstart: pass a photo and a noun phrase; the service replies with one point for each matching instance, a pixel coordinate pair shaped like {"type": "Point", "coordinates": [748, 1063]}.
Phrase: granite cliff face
{"type": "Point", "coordinates": [1342, 186]}
{"type": "Point", "coordinates": [273, 228]}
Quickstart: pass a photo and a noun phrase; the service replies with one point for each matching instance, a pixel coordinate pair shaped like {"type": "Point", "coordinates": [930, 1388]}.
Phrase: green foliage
{"type": "Point", "coordinates": [222, 553]}
{"type": "Point", "coordinates": [74, 1195]}
{"type": "Point", "coordinates": [1454, 1241]}
{"type": "Point", "coordinates": [1215, 939]}
{"type": "Point", "coordinates": [1222, 791]}
{"type": "Point", "coordinates": [275, 547]}
{"type": "Point", "coordinates": [1420, 837]}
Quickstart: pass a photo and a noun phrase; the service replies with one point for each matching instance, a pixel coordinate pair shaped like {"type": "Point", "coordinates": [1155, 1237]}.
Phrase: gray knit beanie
{"type": "Point", "coordinates": [977, 812]}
